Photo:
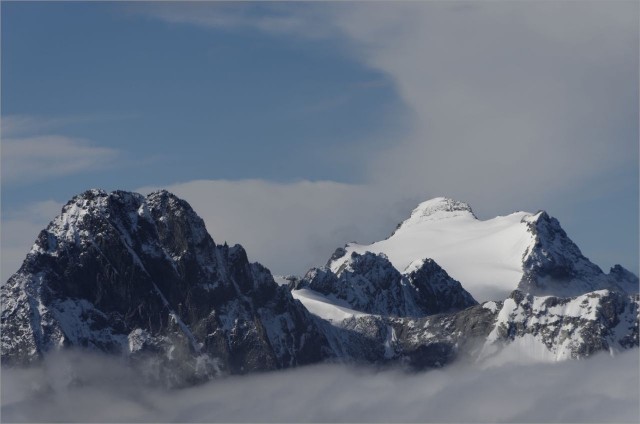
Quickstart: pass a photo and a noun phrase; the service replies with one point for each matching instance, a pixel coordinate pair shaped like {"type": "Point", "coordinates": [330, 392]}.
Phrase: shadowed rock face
{"type": "Point", "coordinates": [124, 273]}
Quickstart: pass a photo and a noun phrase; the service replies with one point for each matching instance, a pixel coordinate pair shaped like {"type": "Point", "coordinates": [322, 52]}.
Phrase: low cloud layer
{"type": "Point", "coordinates": [74, 387]}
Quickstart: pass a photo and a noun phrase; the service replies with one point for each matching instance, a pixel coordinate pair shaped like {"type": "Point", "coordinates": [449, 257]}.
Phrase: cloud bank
{"type": "Point", "coordinates": [515, 102]}
{"type": "Point", "coordinates": [525, 106]}
{"type": "Point", "coordinates": [74, 387]}
{"type": "Point", "coordinates": [511, 100]}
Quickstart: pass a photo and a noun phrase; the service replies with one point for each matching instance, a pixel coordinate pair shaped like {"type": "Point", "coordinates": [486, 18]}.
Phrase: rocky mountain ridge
{"type": "Point", "coordinates": [140, 276]}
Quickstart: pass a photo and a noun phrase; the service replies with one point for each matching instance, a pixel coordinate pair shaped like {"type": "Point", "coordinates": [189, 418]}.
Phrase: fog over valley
{"type": "Point", "coordinates": [76, 387]}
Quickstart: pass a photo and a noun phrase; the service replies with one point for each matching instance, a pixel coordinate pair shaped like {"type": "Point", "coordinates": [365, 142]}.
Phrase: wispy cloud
{"type": "Point", "coordinates": [31, 159]}
{"type": "Point", "coordinates": [15, 125]}
{"type": "Point", "coordinates": [280, 19]}
{"type": "Point", "coordinates": [30, 152]}
{"type": "Point", "coordinates": [31, 125]}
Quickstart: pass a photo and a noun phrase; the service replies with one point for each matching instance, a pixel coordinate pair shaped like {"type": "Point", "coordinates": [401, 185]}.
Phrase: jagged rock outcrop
{"type": "Point", "coordinates": [437, 292]}
{"type": "Point", "coordinates": [569, 327]}
{"type": "Point", "coordinates": [554, 265]}
{"type": "Point", "coordinates": [140, 276]}
{"type": "Point", "coordinates": [542, 328]}
{"type": "Point", "coordinates": [370, 283]}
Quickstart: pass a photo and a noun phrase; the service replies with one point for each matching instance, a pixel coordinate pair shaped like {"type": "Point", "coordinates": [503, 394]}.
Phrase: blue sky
{"type": "Point", "coordinates": [194, 103]}
{"type": "Point", "coordinates": [293, 128]}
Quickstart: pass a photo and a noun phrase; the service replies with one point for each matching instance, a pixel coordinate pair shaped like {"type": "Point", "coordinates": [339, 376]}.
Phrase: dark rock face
{"type": "Point", "coordinates": [556, 266]}
{"type": "Point", "coordinates": [437, 292]}
{"type": "Point", "coordinates": [141, 276]}
{"type": "Point", "coordinates": [370, 283]}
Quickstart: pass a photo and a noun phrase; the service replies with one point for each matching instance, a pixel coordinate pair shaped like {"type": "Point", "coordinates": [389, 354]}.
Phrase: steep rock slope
{"type": "Point", "coordinates": [123, 273]}
{"type": "Point", "coordinates": [554, 265]}
{"type": "Point", "coordinates": [491, 258]}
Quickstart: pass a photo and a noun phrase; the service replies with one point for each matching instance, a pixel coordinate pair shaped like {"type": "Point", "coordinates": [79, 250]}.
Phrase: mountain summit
{"type": "Point", "coordinates": [491, 258]}
{"type": "Point", "coordinates": [140, 276]}
{"type": "Point", "coordinates": [436, 209]}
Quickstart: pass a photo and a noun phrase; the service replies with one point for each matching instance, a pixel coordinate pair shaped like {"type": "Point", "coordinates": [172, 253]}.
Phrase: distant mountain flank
{"type": "Point", "coordinates": [140, 277]}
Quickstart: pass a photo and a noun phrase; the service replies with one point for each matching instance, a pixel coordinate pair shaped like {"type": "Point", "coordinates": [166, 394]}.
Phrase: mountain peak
{"type": "Point", "coordinates": [441, 207]}
{"type": "Point", "coordinates": [442, 204]}
{"type": "Point", "coordinates": [140, 276]}
{"type": "Point", "coordinates": [436, 209]}
{"type": "Point", "coordinates": [162, 194]}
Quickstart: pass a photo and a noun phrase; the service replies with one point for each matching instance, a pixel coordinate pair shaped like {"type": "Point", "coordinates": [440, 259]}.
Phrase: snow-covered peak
{"type": "Point", "coordinates": [437, 209]}
{"type": "Point", "coordinates": [78, 219]}
{"type": "Point", "coordinates": [485, 256]}
{"type": "Point", "coordinates": [164, 197]}
{"type": "Point", "coordinates": [97, 199]}
{"type": "Point", "coordinates": [160, 225]}
{"type": "Point", "coordinates": [441, 204]}
{"type": "Point", "coordinates": [491, 257]}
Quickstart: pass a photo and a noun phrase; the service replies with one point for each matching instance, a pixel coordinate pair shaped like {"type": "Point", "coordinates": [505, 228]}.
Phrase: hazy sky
{"type": "Point", "coordinates": [293, 128]}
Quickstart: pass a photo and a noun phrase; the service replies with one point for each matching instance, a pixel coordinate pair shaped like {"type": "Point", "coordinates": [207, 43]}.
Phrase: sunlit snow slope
{"type": "Point", "coordinates": [334, 310]}
{"type": "Point", "coordinates": [485, 256]}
